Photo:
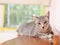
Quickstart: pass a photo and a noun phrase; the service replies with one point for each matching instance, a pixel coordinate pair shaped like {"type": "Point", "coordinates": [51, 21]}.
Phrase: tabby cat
{"type": "Point", "coordinates": [39, 27]}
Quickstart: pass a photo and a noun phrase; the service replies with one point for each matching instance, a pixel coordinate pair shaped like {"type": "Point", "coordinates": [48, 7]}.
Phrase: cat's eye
{"type": "Point", "coordinates": [45, 22]}
{"type": "Point", "coordinates": [39, 23]}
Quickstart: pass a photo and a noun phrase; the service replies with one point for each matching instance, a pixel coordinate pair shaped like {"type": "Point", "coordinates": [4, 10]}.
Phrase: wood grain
{"type": "Point", "coordinates": [25, 40]}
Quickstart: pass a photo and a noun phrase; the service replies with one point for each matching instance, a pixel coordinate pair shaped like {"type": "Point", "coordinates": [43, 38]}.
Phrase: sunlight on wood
{"type": "Point", "coordinates": [56, 40]}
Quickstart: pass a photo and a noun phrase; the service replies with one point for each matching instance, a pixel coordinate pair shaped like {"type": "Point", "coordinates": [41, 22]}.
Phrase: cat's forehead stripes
{"type": "Point", "coordinates": [42, 18]}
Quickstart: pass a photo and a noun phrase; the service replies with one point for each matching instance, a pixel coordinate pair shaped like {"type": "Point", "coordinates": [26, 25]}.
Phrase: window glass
{"type": "Point", "coordinates": [17, 14]}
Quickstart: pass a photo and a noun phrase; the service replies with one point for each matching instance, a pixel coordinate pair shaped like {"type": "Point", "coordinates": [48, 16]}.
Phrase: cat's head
{"type": "Point", "coordinates": [42, 23]}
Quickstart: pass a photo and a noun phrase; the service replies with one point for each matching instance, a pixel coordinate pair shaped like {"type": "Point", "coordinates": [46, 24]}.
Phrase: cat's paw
{"type": "Point", "coordinates": [43, 37]}
{"type": "Point", "coordinates": [20, 34]}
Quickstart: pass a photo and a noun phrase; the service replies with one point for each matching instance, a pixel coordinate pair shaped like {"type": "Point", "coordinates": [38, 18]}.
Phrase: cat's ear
{"type": "Point", "coordinates": [48, 14]}
{"type": "Point", "coordinates": [35, 18]}
{"type": "Point", "coordinates": [47, 17]}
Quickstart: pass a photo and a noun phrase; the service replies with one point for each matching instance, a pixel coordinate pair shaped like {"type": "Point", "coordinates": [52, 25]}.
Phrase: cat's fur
{"type": "Point", "coordinates": [40, 27]}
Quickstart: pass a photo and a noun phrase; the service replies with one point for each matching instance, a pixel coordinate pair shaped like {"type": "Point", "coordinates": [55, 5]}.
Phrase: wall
{"type": "Point", "coordinates": [55, 14]}
{"type": "Point", "coordinates": [57, 19]}
{"type": "Point", "coordinates": [52, 9]}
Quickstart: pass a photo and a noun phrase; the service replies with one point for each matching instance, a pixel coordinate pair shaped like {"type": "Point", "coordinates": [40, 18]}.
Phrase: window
{"type": "Point", "coordinates": [17, 14]}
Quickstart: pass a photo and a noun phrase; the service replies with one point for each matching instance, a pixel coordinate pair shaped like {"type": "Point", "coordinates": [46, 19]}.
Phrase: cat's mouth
{"type": "Point", "coordinates": [45, 27]}
{"type": "Point", "coordinates": [43, 30]}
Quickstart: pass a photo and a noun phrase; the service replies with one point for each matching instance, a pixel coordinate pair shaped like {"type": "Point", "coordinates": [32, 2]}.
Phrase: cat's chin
{"type": "Point", "coordinates": [43, 30]}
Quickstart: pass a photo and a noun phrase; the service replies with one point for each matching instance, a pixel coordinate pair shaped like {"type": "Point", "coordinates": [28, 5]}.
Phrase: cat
{"type": "Point", "coordinates": [39, 27]}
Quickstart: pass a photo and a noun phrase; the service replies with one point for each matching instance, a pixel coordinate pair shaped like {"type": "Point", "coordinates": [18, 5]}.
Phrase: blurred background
{"type": "Point", "coordinates": [14, 13]}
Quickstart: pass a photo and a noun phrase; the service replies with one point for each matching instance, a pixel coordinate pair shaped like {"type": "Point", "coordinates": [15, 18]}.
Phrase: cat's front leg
{"type": "Point", "coordinates": [43, 36]}
{"type": "Point", "coordinates": [50, 38]}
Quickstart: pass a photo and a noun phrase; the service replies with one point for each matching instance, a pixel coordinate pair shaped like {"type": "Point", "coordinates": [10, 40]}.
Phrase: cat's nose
{"type": "Point", "coordinates": [43, 27]}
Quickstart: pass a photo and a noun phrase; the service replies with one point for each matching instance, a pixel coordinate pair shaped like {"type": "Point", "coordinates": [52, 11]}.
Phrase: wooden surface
{"type": "Point", "coordinates": [56, 40]}
{"type": "Point", "coordinates": [24, 40]}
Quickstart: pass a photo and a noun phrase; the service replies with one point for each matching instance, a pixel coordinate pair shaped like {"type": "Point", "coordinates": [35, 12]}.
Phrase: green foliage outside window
{"type": "Point", "coordinates": [19, 14]}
